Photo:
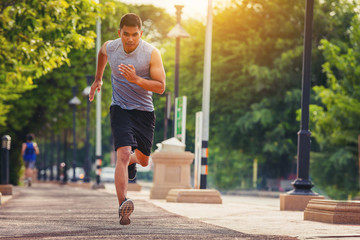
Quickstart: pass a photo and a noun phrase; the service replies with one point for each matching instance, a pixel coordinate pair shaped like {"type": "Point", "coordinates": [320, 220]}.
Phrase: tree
{"type": "Point", "coordinates": [256, 83]}
{"type": "Point", "coordinates": [45, 107]}
{"type": "Point", "coordinates": [35, 38]}
{"type": "Point", "coordinates": [336, 119]}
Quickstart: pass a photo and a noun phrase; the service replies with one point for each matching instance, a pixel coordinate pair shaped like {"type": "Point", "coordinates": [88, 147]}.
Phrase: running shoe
{"type": "Point", "coordinates": [132, 171]}
{"type": "Point", "coordinates": [125, 210]}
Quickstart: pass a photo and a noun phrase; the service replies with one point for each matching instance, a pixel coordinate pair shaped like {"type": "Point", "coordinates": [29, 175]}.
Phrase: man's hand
{"type": "Point", "coordinates": [96, 85]}
{"type": "Point", "coordinates": [128, 72]}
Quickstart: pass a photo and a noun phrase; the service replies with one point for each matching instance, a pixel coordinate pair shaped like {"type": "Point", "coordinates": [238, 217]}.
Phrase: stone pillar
{"type": "Point", "coordinates": [171, 168]}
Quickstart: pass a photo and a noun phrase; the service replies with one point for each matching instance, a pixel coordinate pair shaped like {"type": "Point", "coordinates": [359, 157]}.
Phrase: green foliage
{"type": "Point", "coordinates": [35, 38]}
{"type": "Point", "coordinates": [156, 22]}
{"type": "Point", "coordinates": [255, 83]}
{"type": "Point", "coordinates": [336, 119]}
{"type": "Point", "coordinates": [45, 109]}
{"type": "Point", "coordinates": [234, 171]}
{"type": "Point", "coordinates": [254, 64]}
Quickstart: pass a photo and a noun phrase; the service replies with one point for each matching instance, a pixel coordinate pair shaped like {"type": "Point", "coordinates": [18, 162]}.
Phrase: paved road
{"type": "Point", "coordinates": [50, 211]}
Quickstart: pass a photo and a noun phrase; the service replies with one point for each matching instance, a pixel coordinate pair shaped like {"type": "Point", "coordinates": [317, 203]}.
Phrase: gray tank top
{"type": "Point", "coordinates": [128, 95]}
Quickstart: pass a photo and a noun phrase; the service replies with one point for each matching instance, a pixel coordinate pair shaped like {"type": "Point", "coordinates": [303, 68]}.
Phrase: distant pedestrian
{"type": "Point", "coordinates": [136, 72]}
{"type": "Point", "coordinates": [29, 151]}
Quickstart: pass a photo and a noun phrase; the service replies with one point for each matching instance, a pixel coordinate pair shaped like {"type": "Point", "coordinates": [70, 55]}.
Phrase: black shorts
{"type": "Point", "coordinates": [133, 128]}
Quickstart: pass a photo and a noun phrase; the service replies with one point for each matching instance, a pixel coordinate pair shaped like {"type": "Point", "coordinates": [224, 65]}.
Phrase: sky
{"type": "Point", "coordinates": [192, 8]}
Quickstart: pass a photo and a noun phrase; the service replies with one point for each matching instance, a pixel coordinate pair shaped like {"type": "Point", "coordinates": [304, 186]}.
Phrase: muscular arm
{"type": "Point", "coordinates": [157, 74]}
{"type": "Point", "coordinates": [102, 60]}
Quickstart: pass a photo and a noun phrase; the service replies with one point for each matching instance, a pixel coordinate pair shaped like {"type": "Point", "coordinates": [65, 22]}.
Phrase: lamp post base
{"type": "Point", "coordinates": [302, 187]}
{"type": "Point", "coordinates": [296, 202]}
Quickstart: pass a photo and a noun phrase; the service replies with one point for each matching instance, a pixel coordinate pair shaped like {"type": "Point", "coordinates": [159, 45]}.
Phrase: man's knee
{"type": "Point", "coordinates": [123, 154]}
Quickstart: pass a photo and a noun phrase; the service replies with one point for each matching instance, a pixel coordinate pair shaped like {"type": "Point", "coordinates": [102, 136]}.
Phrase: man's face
{"type": "Point", "coordinates": [130, 37]}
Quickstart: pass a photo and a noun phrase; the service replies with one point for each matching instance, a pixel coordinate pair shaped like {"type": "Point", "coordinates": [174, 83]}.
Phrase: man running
{"type": "Point", "coordinates": [136, 71]}
{"type": "Point", "coordinates": [29, 151]}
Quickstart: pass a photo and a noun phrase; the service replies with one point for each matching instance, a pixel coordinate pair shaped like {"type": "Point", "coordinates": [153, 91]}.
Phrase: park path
{"type": "Point", "coordinates": [51, 211]}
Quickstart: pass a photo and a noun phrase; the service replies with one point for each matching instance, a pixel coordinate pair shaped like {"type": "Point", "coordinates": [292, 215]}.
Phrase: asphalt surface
{"type": "Point", "coordinates": [51, 211]}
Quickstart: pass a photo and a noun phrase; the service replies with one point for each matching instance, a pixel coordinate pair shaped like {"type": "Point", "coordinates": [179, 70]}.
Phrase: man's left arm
{"type": "Point", "coordinates": [157, 74]}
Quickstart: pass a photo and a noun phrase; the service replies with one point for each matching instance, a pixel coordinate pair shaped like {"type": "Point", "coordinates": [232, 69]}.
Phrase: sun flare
{"type": "Point", "coordinates": [192, 8]}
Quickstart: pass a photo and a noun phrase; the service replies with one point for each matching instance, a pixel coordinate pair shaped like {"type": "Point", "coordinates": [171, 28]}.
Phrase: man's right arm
{"type": "Point", "coordinates": [102, 60]}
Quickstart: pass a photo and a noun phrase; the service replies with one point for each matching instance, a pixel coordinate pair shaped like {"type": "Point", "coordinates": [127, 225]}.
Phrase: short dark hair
{"type": "Point", "coordinates": [130, 20]}
{"type": "Point", "coordinates": [30, 137]}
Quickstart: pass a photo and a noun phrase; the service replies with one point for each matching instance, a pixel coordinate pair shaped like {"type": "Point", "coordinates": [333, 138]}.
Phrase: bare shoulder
{"type": "Point", "coordinates": [107, 42]}
{"type": "Point", "coordinates": [155, 56]}
{"type": "Point", "coordinates": [103, 48]}
{"type": "Point", "coordinates": [155, 51]}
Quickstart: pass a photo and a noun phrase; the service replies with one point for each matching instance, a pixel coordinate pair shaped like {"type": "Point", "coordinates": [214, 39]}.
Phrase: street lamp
{"type": "Point", "coordinates": [302, 185]}
{"type": "Point", "coordinates": [167, 112]}
{"type": "Point", "coordinates": [45, 156]}
{"type": "Point", "coordinates": [51, 153]}
{"type": "Point", "coordinates": [73, 102]}
{"type": "Point", "coordinates": [38, 162]}
{"type": "Point", "coordinates": [177, 32]}
{"type": "Point", "coordinates": [87, 164]}
{"type": "Point", "coordinates": [55, 151]}
{"type": "Point", "coordinates": [65, 162]}
{"type": "Point", "coordinates": [58, 158]}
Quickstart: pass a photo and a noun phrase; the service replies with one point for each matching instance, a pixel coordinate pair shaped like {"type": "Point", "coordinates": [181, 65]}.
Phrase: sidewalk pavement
{"type": "Point", "coordinates": [253, 215]}
{"type": "Point", "coordinates": [52, 211]}
{"type": "Point", "coordinates": [49, 211]}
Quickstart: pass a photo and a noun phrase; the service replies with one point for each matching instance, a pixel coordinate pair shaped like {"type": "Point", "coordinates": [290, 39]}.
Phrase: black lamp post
{"type": "Point", "coordinates": [87, 163]}
{"type": "Point", "coordinates": [167, 112]}
{"type": "Point", "coordinates": [51, 151]}
{"type": "Point", "coordinates": [54, 151]}
{"type": "Point", "coordinates": [5, 153]}
{"type": "Point", "coordinates": [302, 185]}
{"type": "Point", "coordinates": [65, 162]}
{"type": "Point", "coordinates": [44, 156]}
{"type": "Point", "coordinates": [73, 102]}
{"type": "Point", "coordinates": [58, 158]}
{"type": "Point", "coordinates": [38, 167]}
{"type": "Point", "coordinates": [177, 32]}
